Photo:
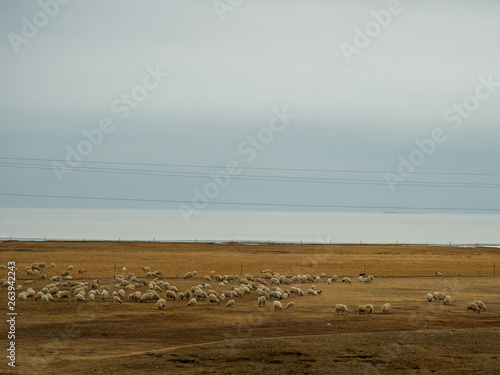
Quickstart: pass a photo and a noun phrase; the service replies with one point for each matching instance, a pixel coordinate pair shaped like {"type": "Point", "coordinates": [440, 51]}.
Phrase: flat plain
{"type": "Point", "coordinates": [417, 337]}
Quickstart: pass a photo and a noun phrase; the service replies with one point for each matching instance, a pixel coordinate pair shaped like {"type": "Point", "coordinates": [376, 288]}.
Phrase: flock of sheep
{"type": "Point", "coordinates": [63, 288]}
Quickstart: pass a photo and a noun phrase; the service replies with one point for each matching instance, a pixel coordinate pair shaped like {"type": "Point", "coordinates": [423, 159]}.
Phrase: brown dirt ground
{"type": "Point", "coordinates": [416, 338]}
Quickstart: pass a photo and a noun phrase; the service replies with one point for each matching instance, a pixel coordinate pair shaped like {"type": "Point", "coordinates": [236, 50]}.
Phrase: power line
{"type": "Point", "coordinates": [252, 203]}
{"type": "Point", "coordinates": [259, 168]}
{"type": "Point", "coordinates": [298, 179]}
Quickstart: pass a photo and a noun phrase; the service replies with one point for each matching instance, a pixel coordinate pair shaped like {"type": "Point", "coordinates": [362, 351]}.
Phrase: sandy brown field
{"type": "Point", "coordinates": [132, 338]}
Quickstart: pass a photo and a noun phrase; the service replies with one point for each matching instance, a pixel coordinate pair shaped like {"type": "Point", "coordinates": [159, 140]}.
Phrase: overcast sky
{"type": "Point", "coordinates": [206, 78]}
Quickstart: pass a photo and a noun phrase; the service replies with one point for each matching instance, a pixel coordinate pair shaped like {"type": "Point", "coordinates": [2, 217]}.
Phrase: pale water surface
{"type": "Point", "coordinates": [169, 225]}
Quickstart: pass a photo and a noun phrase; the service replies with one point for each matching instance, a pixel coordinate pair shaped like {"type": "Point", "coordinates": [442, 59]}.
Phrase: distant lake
{"type": "Point", "coordinates": [169, 225]}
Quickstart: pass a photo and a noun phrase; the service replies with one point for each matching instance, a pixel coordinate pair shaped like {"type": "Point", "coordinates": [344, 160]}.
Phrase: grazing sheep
{"type": "Point", "coordinates": [386, 308]}
{"type": "Point", "coordinates": [368, 309]}
{"type": "Point", "coordinates": [430, 297]}
{"type": "Point", "coordinates": [481, 305]}
{"type": "Point", "coordinates": [45, 299]}
{"type": "Point", "coordinates": [347, 280]}
{"type": "Point", "coordinates": [147, 297]}
{"type": "Point", "coordinates": [277, 305]}
{"type": "Point", "coordinates": [173, 289]}
{"type": "Point", "coordinates": [146, 269]}
{"type": "Point", "coordinates": [261, 301]}
{"type": "Point", "coordinates": [49, 296]}
{"type": "Point", "coordinates": [361, 309]}
{"type": "Point", "coordinates": [39, 296]}
{"type": "Point", "coordinates": [79, 297]}
{"type": "Point", "coordinates": [124, 269]}
{"type": "Point", "coordinates": [230, 303]}
{"type": "Point", "coordinates": [92, 297]}
{"type": "Point", "coordinates": [22, 296]}
{"type": "Point", "coordinates": [61, 295]}
{"type": "Point", "coordinates": [439, 274]}
{"type": "Point", "coordinates": [3, 267]}
{"type": "Point", "coordinates": [440, 297]}
{"type": "Point", "coordinates": [135, 296]}
{"type": "Point", "coordinates": [341, 308]}
{"type": "Point", "coordinates": [104, 295]}
{"type": "Point", "coordinates": [117, 299]}
{"type": "Point", "coordinates": [69, 268]}
{"type": "Point", "coordinates": [53, 265]}
{"type": "Point", "coordinates": [447, 300]}
{"type": "Point", "coordinates": [82, 270]}
{"type": "Point", "coordinates": [335, 278]}
{"type": "Point", "coordinates": [192, 302]}
{"type": "Point", "coordinates": [472, 306]}
{"type": "Point", "coordinates": [188, 275]}
{"type": "Point", "coordinates": [329, 281]}
{"type": "Point", "coordinates": [290, 305]}
{"type": "Point", "coordinates": [55, 278]}
{"type": "Point", "coordinates": [213, 299]}
{"type": "Point", "coordinates": [161, 303]}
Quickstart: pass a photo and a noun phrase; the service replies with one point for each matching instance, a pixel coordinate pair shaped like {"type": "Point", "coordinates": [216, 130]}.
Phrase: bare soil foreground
{"type": "Point", "coordinates": [416, 337]}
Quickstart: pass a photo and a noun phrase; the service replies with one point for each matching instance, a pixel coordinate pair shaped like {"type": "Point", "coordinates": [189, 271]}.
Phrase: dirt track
{"type": "Point", "coordinates": [417, 337]}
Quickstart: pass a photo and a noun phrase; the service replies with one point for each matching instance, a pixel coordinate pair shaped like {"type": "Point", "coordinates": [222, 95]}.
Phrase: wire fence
{"type": "Point", "coordinates": [250, 242]}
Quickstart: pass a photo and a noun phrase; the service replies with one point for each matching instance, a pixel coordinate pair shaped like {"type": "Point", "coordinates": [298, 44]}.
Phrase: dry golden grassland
{"type": "Point", "coordinates": [417, 337]}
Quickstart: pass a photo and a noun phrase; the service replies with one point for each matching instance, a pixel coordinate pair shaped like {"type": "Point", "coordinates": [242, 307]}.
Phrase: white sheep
{"type": "Point", "coordinates": [329, 281]}
{"type": "Point", "coordinates": [104, 295]}
{"type": "Point", "coordinates": [361, 309]}
{"type": "Point", "coordinates": [22, 296]}
{"type": "Point", "coordinates": [79, 297]}
{"type": "Point", "coordinates": [161, 303]}
{"type": "Point", "coordinates": [440, 297]}
{"type": "Point", "coordinates": [213, 299]}
{"type": "Point", "coordinates": [481, 305]}
{"type": "Point", "coordinates": [341, 308]}
{"type": "Point", "coordinates": [447, 300]}
{"type": "Point", "coordinates": [91, 297]}
{"type": "Point", "coordinates": [135, 296]}
{"type": "Point", "coordinates": [261, 301]}
{"type": "Point", "coordinates": [45, 299]}
{"type": "Point", "coordinates": [124, 269]}
{"type": "Point", "coordinates": [60, 295]}
{"type": "Point", "coordinates": [230, 303]}
{"type": "Point", "coordinates": [192, 302]}
{"type": "Point", "coordinates": [368, 309]}
{"type": "Point", "coordinates": [117, 299]}
{"type": "Point", "coordinates": [82, 270]}
{"type": "Point", "coordinates": [53, 265]}
{"type": "Point", "coordinates": [430, 297]}
{"type": "Point", "coordinates": [69, 268]}
{"type": "Point", "coordinates": [386, 308]}
{"type": "Point", "coordinates": [146, 269]}
{"type": "Point", "coordinates": [277, 305]}
{"type": "Point", "coordinates": [439, 274]}
{"type": "Point", "coordinates": [170, 294]}
{"type": "Point", "coordinates": [472, 306]}
{"type": "Point", "coordinates": [347, 280]}
{"type": "Point", "coordinates": [290, 305]}
{"type": "Point", "coordinates": [335, 278]}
